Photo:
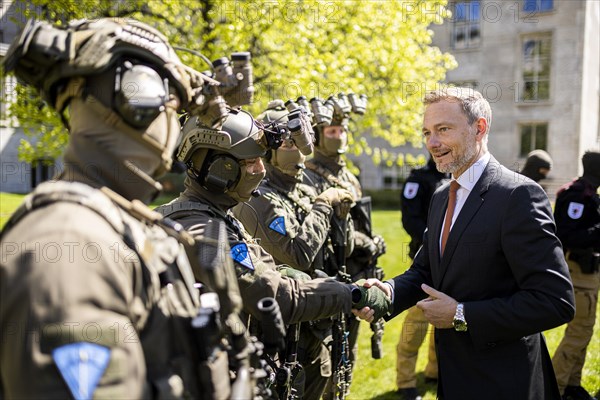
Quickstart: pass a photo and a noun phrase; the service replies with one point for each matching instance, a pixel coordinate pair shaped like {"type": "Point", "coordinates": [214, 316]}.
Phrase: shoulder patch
{"type": "Point", "coordinates": [278, 225]}
{"type": "Point", "coordinates": [240, 254]}
{"type": "Point", "coordinates": [410, 190]}
{"type": "Point", "coordinates": [81, 365]}
{"type": "Point", "coordinates": [575, 210]}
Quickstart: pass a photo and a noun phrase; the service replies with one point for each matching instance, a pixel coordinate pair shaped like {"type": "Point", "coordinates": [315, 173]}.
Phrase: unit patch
{"type": "Point", "coordinates": [240, 254]}
{"type": "Point", "coordinates": [575, 210]}
{"type": "Point", "coordinates": [410, 190]}
{"type": "Point", "coordinates": [278, 225]}
{"type": "Point", "coordinates": [81, 365]}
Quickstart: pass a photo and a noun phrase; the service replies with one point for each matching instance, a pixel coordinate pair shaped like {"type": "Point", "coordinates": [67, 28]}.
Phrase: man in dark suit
{"type": "Point", "coordinates": [491, 275]}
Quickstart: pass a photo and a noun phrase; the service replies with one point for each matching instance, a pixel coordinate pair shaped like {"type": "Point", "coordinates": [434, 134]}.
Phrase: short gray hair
{"type": "Point", "coordinates": [474, 105]}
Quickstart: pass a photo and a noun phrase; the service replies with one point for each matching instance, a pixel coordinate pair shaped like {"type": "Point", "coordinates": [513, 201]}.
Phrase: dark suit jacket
{"type": "Point", "coordinates": [505, 263]}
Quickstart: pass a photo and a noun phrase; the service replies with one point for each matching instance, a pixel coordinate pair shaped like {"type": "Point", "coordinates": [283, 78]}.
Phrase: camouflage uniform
{"type": "Point", "coordinates": [258, 274]}
{"type": "Point", "coordinates": [224, 168]}
{"type": "Point", "coordinates": [324, 172]}
{"type": "Point", "coordinates": [103, 284]}
{"type": "Point", "coordinates": [294, 231]}
{"type": "Point", "coordinates": [97, 296]}
{"type": "Point", "coordinates": [290, 227]}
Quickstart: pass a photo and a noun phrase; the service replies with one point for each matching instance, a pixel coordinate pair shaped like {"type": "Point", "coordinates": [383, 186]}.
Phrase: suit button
{"type": "Point", "coordinates": [491, 345]}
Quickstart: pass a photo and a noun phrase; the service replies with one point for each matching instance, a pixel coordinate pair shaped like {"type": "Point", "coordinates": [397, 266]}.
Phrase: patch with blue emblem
{"type": "Point", "coordinates": [81, 365]}
{"type": "Point", "coordinates": [240, 254]}
{"type": "Point", "coordinates": [278, 225]}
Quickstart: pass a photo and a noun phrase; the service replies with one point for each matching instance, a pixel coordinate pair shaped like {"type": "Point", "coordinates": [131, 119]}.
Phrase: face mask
{"type": "Point", "coordinates": [287, 161]}
{"type": "Point", "coordinates": [333, 146]}
{"type": "Point", "coordinates": [247, 184]}
{"type": "Point", "coordinates": [165, 129]}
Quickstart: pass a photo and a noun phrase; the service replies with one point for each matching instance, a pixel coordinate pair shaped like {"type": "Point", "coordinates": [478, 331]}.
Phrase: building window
{"type": "Point", "coordinates": [466, 32]}
{"type": "Point", "coordinates": [533, 136]}
{"type": "Point", "coordinates": [536, 68]}
{"type": "Point", "coordinates": [394, 177]}
{"type": "Point", "coordinates": [538, 5]}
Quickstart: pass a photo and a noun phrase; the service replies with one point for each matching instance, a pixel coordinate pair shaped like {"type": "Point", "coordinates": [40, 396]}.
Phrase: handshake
{"type": "Point", "coordinates": [376, 297]}
{"type": "Point", "coordinates": [373, 297]}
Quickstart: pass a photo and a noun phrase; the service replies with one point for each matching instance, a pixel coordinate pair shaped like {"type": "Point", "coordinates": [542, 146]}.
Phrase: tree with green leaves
{"type": "Point", "coordinates": [312, 48]}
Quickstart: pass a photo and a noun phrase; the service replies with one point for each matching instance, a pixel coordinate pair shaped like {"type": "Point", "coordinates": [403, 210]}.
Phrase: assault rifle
{"type": "Point", "coordinates": [361, 216]}
{"type": "Point", "coordinates": [285, 345]}
{"type": "Point", "coordinates": [340, 351]}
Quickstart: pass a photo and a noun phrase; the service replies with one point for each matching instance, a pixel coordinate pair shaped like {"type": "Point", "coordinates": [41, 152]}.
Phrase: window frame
{"type": "Point", "coordinates": [534, 143]}
{"type": "Point", "coordinates": [538, 6]}
{"type": "Point", "coordinates": [538, 62]}
{"type": "Point", "coordinates": [471, 19]}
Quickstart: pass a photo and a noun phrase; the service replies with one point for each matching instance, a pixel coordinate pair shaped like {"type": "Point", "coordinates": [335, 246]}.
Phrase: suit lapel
{"type": "Point", "coordinates": [470, 208]}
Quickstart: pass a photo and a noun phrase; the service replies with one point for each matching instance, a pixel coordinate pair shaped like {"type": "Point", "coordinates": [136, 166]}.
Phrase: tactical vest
{"type": "Point", "coordinates": [168, 279]}
{"type": "Point", "coordinates": [181, 209]}
{"type": "Point", "coordinates": [332, 179]}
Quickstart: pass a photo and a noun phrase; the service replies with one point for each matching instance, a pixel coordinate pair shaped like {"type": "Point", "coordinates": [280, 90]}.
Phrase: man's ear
{"type": "Point", "coordinates": [481, 126]}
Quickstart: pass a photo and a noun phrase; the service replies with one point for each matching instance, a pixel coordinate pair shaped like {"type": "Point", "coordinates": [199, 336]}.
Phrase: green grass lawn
{"type": "Point", "coordinates": [376, 379]}
{"type": "Point", "coordinates": [8, 203]}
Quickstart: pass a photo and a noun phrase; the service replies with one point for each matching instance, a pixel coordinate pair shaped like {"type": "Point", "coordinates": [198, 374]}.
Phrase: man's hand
{"type": "Point", "coordinates": [367, 313]}
{"type": "Point", "coordinates": [438, 308]}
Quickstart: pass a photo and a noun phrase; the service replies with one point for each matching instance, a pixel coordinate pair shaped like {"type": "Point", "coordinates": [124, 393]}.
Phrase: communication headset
{"type": "Point", "coordinates": [140, 93]}
{"type": "Point", "coordinates": [219, 173]}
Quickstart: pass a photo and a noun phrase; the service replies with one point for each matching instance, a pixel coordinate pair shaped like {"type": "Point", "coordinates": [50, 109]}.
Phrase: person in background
{"type": "Point", "coordinates": [537, 165]}
{"type": "Point", "coordinates": [328, 169]}
{"type": "Point", "coordinates": [292, 222]}
{"type": "Point", "coordinates": [416, 197]}
{"type": "Point", "coordinates": [577, 214]}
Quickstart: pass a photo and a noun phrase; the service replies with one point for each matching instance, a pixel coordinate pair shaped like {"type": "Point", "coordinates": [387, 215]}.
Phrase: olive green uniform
{"type": "Point", "coordinates": [256, 269]}
{"type": "Point", "coordinates": [294, 230]}
{"type": "Point", "coordinates": [78, 270]}
{"type": "Point", "coordinates": [290, 227]}
{"type": "Point", "coordinates": [324, 172]}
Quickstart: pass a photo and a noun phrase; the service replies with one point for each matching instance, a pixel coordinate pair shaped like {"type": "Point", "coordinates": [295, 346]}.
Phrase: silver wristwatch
{"type": "Point", "coordinates": [459, 322]}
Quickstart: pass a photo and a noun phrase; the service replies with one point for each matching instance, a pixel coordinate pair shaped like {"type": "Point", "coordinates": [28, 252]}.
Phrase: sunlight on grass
{"type": "Point", "coordinates": [8, 204]}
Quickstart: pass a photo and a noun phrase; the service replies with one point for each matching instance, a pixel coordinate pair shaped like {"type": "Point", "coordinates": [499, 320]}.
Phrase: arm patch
{"type": "Point", "coordinates": [81, 365]}
{"type": "Point", "coordinates": [278, 225]}
{"type": "Point", "coordinates": [240, 254]}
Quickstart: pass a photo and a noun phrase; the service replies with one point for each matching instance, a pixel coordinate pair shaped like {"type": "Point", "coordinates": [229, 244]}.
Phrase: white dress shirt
{"type": "Point", "coordinates": [467, 181]}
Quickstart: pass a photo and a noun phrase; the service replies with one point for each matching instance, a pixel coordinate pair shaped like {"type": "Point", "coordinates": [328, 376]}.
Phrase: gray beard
{"type": "Point", "coordinates": [461, 162]}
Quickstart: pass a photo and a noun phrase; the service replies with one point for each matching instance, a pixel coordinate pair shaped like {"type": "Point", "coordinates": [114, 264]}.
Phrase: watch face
{"type": "Point", "coordinates": [459, 326]}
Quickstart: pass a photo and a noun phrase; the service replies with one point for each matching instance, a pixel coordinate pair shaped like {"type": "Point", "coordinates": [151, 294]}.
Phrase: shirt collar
{"type": "Point", "coordinates": [469, 178]}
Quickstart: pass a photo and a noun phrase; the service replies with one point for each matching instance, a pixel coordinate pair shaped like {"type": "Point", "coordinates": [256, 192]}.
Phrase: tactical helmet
{"type": "Point", "coordinates": [123, 69]}
{"type": "Point", "coordinates": [46, 56]}
{"type": "Point", "coordinates": [286, 158]}
{"type": "Point", "coordinates": [275, 112]}
{"type": "Point", "coordinates": [335, 111]}
{"type": "Point", "coordinates": [212, 156]}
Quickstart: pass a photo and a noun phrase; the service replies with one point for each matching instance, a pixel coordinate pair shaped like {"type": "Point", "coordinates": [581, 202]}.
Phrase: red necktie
{"type": "Point", "coordinates": [449, 213]}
